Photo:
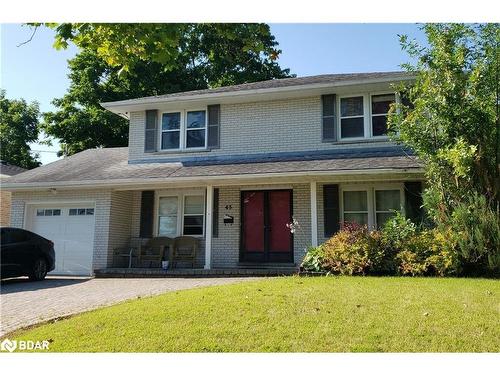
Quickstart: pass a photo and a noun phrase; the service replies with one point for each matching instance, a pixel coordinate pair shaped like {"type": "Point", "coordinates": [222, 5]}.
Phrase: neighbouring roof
{"type": "Point", "coordinates": [110, 165]}
{"type": "Point", "coordinates": [299, 82]}
{"type": "Point", "coordinates": [7, 169]}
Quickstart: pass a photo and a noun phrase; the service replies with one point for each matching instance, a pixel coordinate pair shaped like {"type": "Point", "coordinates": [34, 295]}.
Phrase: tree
{"type": "Point", "coordinates": [207, 55]}
{"type": "Point", "coordinates": [451, 120]}
{"type": "Point", "coordinates": [248, 46]}
{"type": "Point", "coordinates": [18, 127]}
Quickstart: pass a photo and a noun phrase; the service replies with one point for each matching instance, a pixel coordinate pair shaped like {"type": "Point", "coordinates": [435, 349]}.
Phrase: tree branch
{"type": "Point", "coordinates": [29, 40]}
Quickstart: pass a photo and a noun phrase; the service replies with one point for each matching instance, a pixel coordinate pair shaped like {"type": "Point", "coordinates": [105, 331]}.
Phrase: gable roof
{"type": "Point", "coordinates": [274, 85]}
{"type": "Point", "coordinates": [110, 167]}
{"type": "Point", "coordinates": [7, 169]}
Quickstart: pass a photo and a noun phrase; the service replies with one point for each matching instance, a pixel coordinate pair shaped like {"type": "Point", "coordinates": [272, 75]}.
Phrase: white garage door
{"type": "Point", "coordinates": [71, 228]}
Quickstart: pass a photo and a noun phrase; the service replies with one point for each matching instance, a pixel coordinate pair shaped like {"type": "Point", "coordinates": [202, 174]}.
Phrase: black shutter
{"type": "Point", "coordinates": [215, 214]}
{"type": "Point", "coordinates": [413, 201]}
{"type": "Point", "coordinates": [151, 131]}
{"type": "Point", "coordinates": [213, 126]}
{"type": "Point", "coordinates": [331, 210]}
{"type": "Point", "coordinates": [329, 118]}
{"type": "Point", "coordinates": [147, 212]}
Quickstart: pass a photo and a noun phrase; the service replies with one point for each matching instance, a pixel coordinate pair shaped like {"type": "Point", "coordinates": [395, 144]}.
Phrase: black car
{"type": "Point", "coordinates": [24, 253]}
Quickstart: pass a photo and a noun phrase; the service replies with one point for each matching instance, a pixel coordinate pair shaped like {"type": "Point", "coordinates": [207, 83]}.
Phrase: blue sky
{"type": "Point", "coordinates": [35, 71]}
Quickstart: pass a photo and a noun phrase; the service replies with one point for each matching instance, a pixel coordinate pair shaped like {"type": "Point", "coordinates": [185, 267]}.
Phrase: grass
{"type": "Point", "coordinates": [293, 314]}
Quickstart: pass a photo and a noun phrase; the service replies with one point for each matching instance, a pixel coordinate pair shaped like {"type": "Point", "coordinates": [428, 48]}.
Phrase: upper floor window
{"type": "Point", "coordinates": [183, 130]}
{"type": "Point", "coordinates": [195, 129]}
{"type": "Point", "coordinates": [380, 108]}
{"type": "Point", "coordinates": [170, 130]}
{"type": "Point", "coordinates": [364, 116]}
{"type": "Point", "coordinates": [352, 117]}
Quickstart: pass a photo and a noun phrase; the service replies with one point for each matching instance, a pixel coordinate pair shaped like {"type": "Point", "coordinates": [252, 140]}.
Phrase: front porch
{"type": "Point", "coordinates": [195, 272]}
{"type": "Point", "coordinates": [244, 228]}
{"type": "Point", "coordinates": [229, 240]}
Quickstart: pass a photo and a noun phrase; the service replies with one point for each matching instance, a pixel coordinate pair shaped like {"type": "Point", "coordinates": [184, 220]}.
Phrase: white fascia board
{"type": "Point", "coordinates": [98, 184]}
{"type": "Point", "coordinates": [124, 106]}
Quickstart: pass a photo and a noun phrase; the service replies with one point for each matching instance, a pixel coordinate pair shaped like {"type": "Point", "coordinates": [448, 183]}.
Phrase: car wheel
{"type": "Point", "coordinates": [38, 270]}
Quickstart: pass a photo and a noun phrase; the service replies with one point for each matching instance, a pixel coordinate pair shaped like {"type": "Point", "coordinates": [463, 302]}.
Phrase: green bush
{"type": "Point", "coordinates": [477, 232]}
{"type": "Point", "coordinates": [400, 248]}
{"type": "Point", "coordinates": [428, 252]}
{"type": "Point", "coordinates": [313, 260]}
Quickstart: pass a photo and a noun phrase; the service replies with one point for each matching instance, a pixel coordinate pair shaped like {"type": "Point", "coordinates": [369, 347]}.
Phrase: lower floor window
{"type": "Point", "coordinates": [167, 221]}
{"type": "Point", "coordinates": [371, 206]}
{"type": "Point", "coordinates": [181, 215]}
{"type": "Point", "coordinates": [356, 207]}
{"type": "Point", "coordinates": [387, 202]}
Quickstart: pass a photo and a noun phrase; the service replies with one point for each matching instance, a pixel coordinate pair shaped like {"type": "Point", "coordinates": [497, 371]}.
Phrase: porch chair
{"type": "Point", "coordinates": [123, 256]}
{"type": "Point", "coordinates": [185, 249]}
{"type": "Point", "coordinates": [153, 251]}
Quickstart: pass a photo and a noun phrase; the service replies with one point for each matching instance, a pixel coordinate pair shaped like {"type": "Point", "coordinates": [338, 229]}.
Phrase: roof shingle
{"type": "Point", "coordinates": [279, 83]}
{"type": "Point", "coordinates": [110, 164]}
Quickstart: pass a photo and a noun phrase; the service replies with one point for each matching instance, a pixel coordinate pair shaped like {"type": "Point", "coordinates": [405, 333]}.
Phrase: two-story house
{"type": "Point", "coordinates": [233, 167]}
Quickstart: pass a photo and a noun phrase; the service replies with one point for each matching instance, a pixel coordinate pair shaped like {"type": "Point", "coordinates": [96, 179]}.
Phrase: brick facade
{"type": "Point", "coordinates": [289, 125]}
{"type": "Point", "coordinates": [5, 199]}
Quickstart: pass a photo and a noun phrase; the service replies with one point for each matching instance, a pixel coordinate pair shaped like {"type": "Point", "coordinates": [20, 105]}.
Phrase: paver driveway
{"type": "Point", "coordinates": [24, 303]}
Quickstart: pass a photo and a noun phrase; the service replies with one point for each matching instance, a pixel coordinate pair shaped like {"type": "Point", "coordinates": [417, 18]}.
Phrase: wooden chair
{"type": "Point", "coordinates": [185, 249]}
{"type": "Point", "coordinates": [153, 252]}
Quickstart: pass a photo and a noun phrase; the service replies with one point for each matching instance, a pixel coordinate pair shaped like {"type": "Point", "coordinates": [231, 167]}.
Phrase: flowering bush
{"type": "Point", "coordinates": [400, 248]}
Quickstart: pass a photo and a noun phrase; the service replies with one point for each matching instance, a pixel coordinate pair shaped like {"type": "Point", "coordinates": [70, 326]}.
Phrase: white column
{"type": "Point", "coordinates": [314, 214]}
{"type": "Point", "coordinates": [208, 226]}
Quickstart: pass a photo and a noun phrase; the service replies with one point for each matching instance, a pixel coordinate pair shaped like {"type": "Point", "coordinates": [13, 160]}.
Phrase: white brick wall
{"type": "Point", "coordinates": [120, 223]}
{"type": "Point", "coordinates": [273, 126]}
{"type": "Point", "coordinates": [117, 219]}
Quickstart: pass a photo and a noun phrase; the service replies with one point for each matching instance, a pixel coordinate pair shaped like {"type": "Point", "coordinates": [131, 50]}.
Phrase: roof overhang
{"type": "Point", "coordinates": [290, 177]}
{"type": "Point", "coordinates": [124, 107]}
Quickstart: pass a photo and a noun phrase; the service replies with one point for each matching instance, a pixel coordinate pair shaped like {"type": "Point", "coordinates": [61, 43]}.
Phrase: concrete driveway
{"type": "Point", "coordinates": [24, 303]}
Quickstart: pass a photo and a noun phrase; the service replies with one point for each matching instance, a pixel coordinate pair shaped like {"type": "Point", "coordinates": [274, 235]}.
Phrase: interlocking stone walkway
{"type": "Point", "coordinates": [24, 303]}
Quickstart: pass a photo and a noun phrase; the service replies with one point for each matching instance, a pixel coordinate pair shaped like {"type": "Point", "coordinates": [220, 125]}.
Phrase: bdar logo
{"type": "Point", "coordinates": [8, 345]}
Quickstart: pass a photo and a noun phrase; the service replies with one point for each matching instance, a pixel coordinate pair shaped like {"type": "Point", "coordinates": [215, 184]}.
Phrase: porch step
{"type": "Point", "coordinates": [219, 272]}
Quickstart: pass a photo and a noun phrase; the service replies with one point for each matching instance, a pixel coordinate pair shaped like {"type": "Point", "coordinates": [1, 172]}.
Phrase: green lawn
{"type": "Point", "coordinates": [294, 314]}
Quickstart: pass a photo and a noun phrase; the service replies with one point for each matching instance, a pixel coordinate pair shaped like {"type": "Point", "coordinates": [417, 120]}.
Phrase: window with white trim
{"type": "Point", "coordinates": [167, 216]}
{"type": "Point", "coordinates": [387, 202]}
{"type": "Point", "coordinates": [184, 130]}
{"type": "Point", "coordinates": [194, 207]}
{"type": "Point", "coordinates": [170, 130]}
{"type": "Point", "coordinates": [196, 129]}
{"type": "Point", "coordinates": [48, 212]}
{"type": "Point", "coordinates": [371, 204]}
{"type": "Point", "coordinates": [181, 214]}
{"type": "Point", "coordinates": [355, 206]}
{"type": "Point", "coordinates": [352, 117]}
{"type": "Point", "coordinates": [364, 116]}
{"type": "Point", "coordinates": [81, 211]}
{"type": "Point", "coordinates": [380, 105]}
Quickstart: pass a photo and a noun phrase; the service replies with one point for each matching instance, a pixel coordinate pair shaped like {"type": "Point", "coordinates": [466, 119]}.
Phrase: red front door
{"type": "Point", "coordinates": [265, 236]}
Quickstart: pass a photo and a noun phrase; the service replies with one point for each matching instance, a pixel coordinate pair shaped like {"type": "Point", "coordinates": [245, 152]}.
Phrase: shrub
{"type": "Point", "coordinates": [400, 248]}
{"type": "Point", "coordinates": [397, 230]}
{"type": "Point", "coordinates": [428, 252]}
{"type": "Point", "coordinates": [313, 260]}
{"type": "Point", "coordinates": [477, 231]}
{"type": "Point", "coordinates": [444, 258]}
{"type": "Point", "coordinates": [409, 263]}
{"type": "Point", "coordinates": [352, 251]}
